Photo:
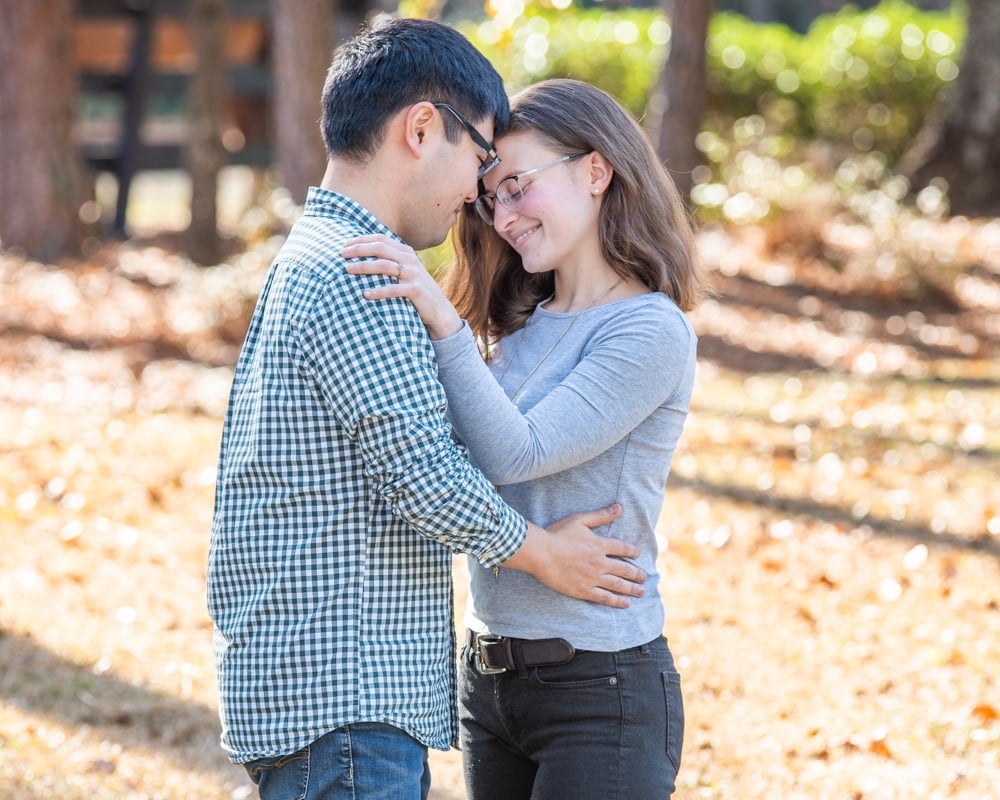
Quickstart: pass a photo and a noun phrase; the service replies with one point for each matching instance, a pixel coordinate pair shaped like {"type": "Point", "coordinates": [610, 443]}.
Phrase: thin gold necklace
{"type": "Point", "coordinates": [555, 344]}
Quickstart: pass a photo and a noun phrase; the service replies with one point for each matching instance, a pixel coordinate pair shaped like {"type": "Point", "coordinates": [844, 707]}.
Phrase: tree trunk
{"type": "Point", "coordinates": [41, 172]}
{"type": "Point", "coordinates": [207, 104]}
{"type": "Point", "coordinates": [677, 103]}
{"type": "Point", "coordinates": [962, 145]}
{"type": "Point", "coordinates": [303, 47]}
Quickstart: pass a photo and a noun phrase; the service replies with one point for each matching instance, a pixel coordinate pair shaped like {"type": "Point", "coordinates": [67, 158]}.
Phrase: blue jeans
{"type": "Point", "coordinates": [365, 761]}
{"type": "Point", "coordinates": [605, 726]}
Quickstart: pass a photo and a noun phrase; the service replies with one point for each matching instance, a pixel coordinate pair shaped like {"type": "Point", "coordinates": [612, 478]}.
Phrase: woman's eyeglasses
{"type": "Point", "coordinates": [492, 159]}
{"type": "Point", "coordinates": [510, 192]}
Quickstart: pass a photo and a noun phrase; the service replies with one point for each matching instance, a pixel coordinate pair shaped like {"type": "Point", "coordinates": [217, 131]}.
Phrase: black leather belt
{"type": "Point", "coordinates": [497, 654]}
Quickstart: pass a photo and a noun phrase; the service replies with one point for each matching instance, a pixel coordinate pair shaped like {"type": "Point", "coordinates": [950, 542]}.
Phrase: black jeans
{"type": "Point", "coordinates": [605, 726]}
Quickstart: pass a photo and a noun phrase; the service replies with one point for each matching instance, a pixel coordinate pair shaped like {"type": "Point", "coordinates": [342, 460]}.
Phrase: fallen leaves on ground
{"type": "Point", "coordinates": [831, 528]}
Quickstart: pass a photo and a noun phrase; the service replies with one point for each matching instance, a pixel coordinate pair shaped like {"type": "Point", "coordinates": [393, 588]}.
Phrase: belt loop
{"type": "Point", "coordinates": [517, 656]}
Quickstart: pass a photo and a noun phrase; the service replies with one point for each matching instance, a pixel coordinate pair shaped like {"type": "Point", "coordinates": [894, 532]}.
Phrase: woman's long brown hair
{"type": "Point", "coordinates": [645, 231]}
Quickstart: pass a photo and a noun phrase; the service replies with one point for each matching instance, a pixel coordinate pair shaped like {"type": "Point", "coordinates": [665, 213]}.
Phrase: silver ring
{"type": "Point", "coordinates": [399, 274]}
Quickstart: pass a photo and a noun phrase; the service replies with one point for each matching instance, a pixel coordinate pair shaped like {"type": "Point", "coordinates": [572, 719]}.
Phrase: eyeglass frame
{"type": "Point", "coordinates": [488, 214]}
{"type": "Point", "coordinates": [477, 138]}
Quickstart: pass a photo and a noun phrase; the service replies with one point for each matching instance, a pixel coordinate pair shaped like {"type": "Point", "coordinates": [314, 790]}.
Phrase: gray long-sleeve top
{"type": "Point", "coordinates": [599, 402]}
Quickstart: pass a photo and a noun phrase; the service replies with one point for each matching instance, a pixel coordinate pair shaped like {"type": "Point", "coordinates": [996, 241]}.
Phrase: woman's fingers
{"type": "Point", "coordinates": [383, 248]}
{"type": "Point", "coordinates": [380, 266]}
{"type": "Point", "coordinates": [412, 281]}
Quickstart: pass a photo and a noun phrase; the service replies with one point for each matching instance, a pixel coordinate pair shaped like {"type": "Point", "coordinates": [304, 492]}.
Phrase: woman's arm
{"type": "Point", "coordinates": [634, 364]}
{"type": "Point", "coordinates": [631, 367]}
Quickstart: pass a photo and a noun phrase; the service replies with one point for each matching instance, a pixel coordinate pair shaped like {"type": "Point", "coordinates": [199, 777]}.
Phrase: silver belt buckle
{"type": "Point", "coordinates": [481, 665]}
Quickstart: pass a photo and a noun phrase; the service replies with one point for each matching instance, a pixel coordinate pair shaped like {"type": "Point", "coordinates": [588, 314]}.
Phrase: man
{"type": "Point", "coordinates": [341, 494]}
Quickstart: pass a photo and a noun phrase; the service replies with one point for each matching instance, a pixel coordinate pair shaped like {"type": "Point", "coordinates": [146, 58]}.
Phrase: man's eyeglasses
{"type": "Point", "coordinates": [510, 192]}
{"type": "Point", "coordinates": [492, 159]}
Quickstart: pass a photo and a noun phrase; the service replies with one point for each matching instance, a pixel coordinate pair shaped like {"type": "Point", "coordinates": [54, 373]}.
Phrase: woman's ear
{"type": "Point", "coordinates": [599, 174]}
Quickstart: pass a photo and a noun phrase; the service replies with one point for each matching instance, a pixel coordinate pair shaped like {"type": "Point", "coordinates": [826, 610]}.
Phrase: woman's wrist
{"type": "Point", "coordinates": [448, 325]}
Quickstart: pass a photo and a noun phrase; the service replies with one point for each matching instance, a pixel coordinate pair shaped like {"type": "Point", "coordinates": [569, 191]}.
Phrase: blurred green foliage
{"type": "Point", "coordinates": [867, 79]}
{"type": "Point", "coordinates": [621, 51]}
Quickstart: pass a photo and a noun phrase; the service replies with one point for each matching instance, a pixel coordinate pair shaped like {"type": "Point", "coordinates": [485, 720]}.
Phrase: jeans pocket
{"type": "Point", "coordinates": [675, 716]}
{"type": "Point", "coordinates": [282, 777]}
{"type": "Point", "coordinates": [586, 670]}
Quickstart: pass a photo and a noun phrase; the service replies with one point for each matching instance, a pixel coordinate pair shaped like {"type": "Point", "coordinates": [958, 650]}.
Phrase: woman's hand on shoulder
{"type": "Point", "coordinates": [385, 256]}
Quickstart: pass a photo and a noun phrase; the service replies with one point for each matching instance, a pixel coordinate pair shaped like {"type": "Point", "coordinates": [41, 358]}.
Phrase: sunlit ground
{"type": "Point", "coordinates": [831, 529]}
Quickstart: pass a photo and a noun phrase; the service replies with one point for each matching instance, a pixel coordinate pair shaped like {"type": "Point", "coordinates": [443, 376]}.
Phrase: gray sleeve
{"type": "Point", "coordinates": [633, 365]}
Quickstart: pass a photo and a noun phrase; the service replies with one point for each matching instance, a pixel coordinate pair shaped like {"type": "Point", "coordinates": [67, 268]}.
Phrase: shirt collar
{"type": "Point", "coordinates": [325, 203]}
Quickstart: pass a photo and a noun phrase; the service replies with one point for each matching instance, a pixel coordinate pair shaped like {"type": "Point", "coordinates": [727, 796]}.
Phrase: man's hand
{"type": "Point", "coordinates": [570, 558]}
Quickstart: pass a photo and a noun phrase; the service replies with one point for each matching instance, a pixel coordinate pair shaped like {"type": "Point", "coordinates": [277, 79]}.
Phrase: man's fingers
{"type": "Point", "coordinates": [621, 586]}
{"type": "Point", "coordinates": [600, 516]}
{"type": "Point", "coordinates": [626, 573]}
{"type": "Point", "coordinates": [605, 598]}
{"type": "Point", "coordinates": [616, 548]}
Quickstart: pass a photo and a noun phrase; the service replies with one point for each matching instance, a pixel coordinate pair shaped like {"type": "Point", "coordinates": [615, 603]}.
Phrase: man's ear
{"type": "Point", "coordinates": [418, 122]}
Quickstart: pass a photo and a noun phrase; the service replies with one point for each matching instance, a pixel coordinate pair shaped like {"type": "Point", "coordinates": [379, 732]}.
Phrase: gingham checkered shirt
{"type": "Point", "coordinates": [340, 497]}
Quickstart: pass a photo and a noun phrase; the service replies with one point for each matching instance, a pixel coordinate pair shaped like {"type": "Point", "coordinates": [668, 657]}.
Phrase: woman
{"type": "Point", "coordinates": [574, 266]}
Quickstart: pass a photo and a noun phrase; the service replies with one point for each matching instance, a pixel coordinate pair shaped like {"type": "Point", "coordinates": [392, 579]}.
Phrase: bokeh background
{"type": "Point", "coordinates": [831, 527]}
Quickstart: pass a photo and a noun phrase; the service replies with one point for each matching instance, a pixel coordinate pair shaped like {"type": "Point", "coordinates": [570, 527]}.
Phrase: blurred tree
{"type": "Point", "coordinates": [962, 144]}
{"type": "Point", "coordinates": [304, 37]}
{"type": "Point", "coordinates": [205, 154]}
{"type": "Point", "coordinates": [41, 175]}
{"type": "Point", "coordinates": [677, 103]}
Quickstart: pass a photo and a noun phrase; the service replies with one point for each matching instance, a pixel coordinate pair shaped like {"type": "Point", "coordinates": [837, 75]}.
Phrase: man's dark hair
{"type": "Point", "coordinates": [398, 62]}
